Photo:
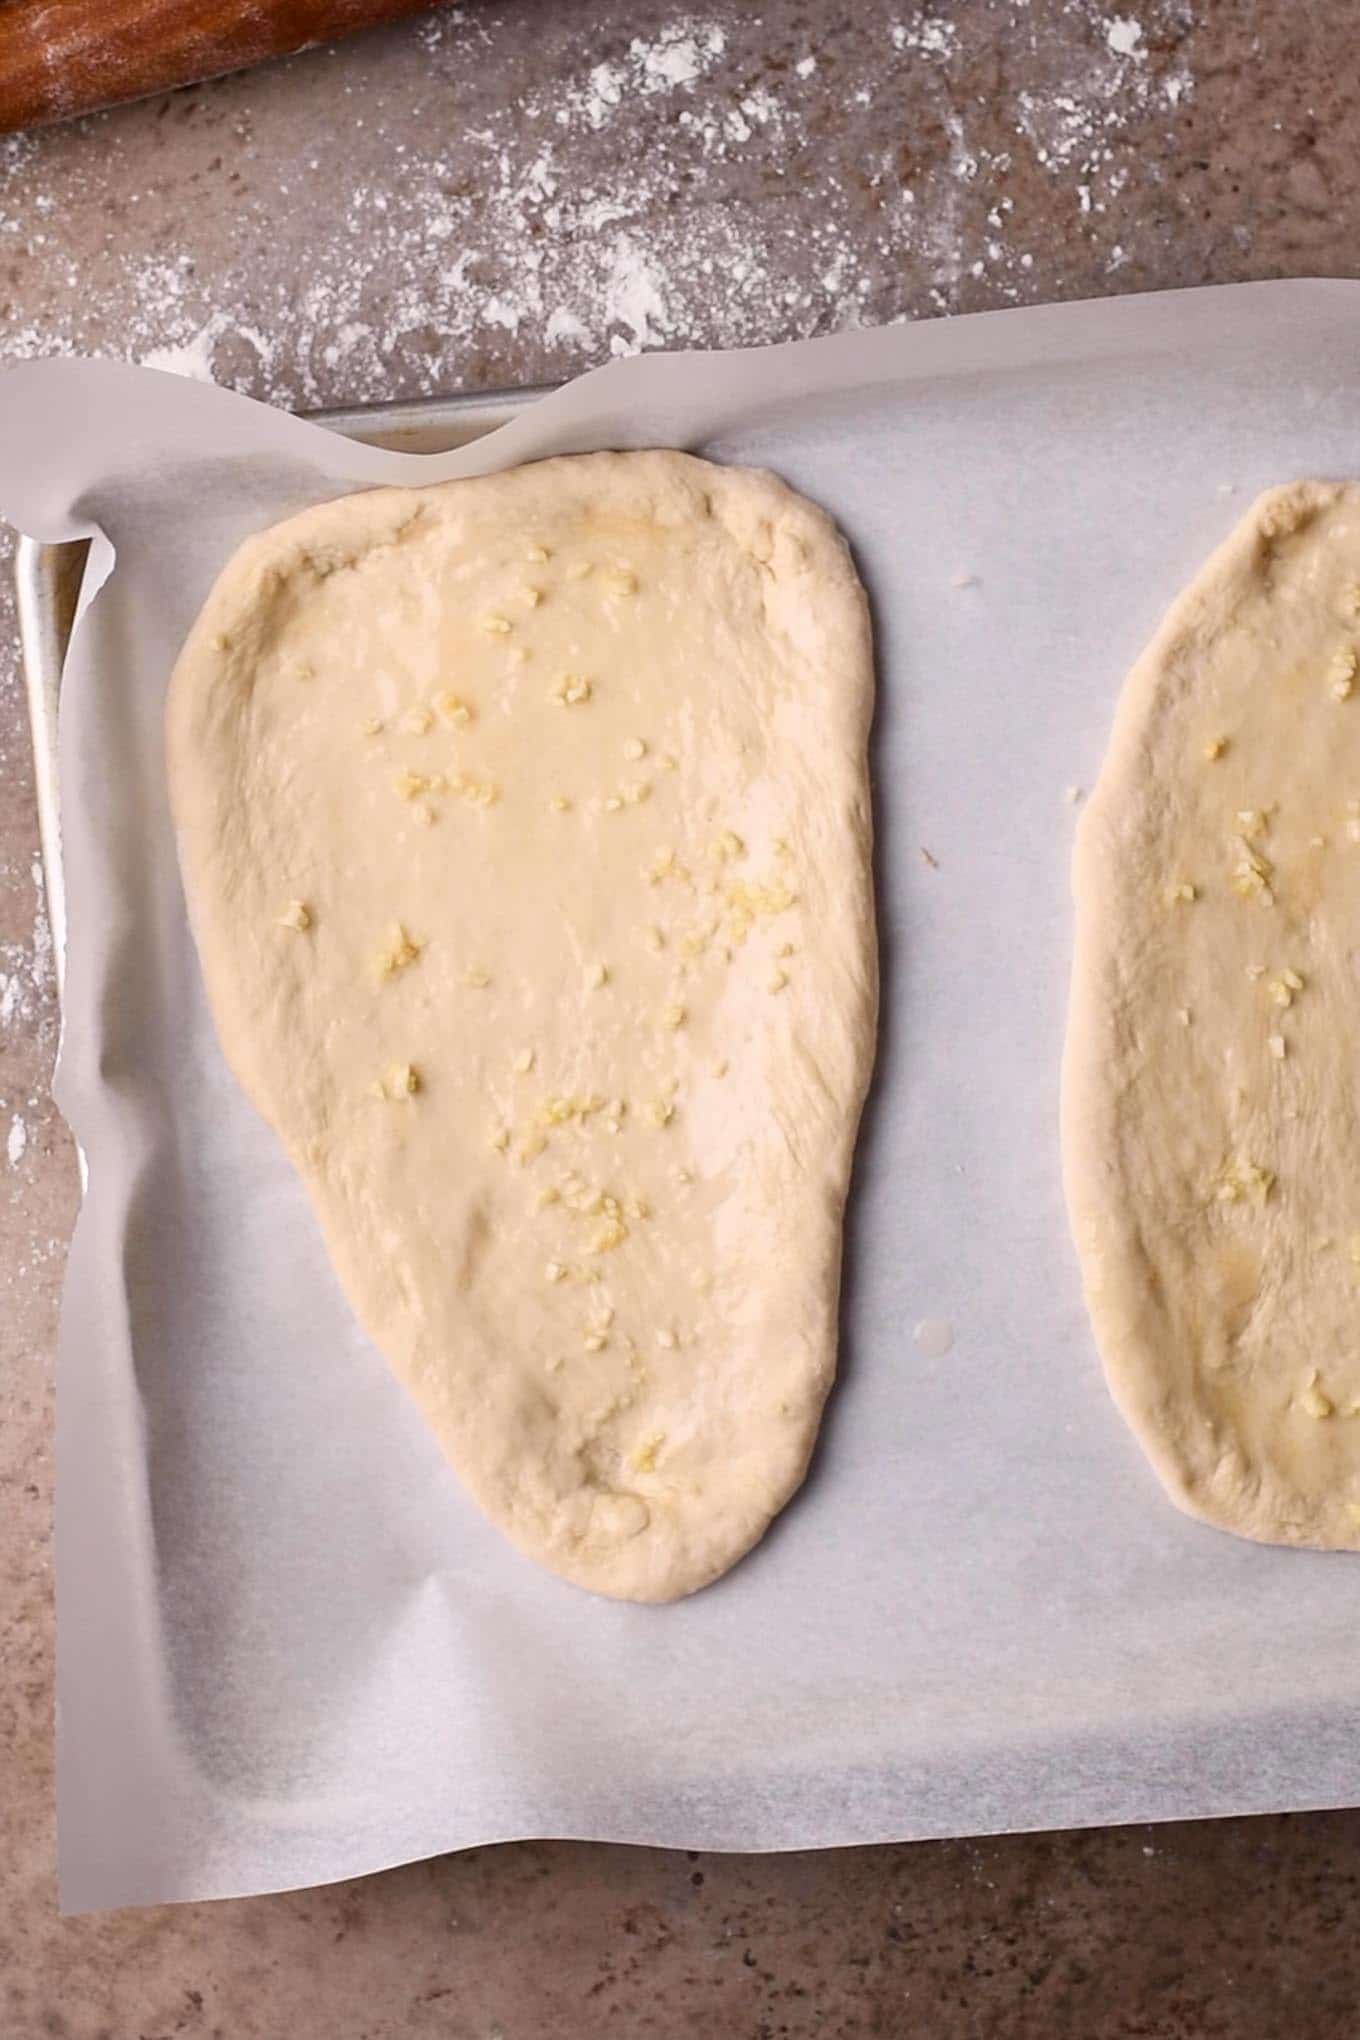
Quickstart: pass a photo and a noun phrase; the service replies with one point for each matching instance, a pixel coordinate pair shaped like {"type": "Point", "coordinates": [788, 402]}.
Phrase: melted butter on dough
{"type": "Point", "coordinates": [1211, 1108]}
{"type": "Point", "coordinates": [525, 830]}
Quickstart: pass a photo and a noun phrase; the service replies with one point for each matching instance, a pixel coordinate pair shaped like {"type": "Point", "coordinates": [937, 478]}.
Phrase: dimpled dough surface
{"type": "Point", "coordinates": [1212, 1081]}
{"type": "Point", "coordinates": [525, 829]}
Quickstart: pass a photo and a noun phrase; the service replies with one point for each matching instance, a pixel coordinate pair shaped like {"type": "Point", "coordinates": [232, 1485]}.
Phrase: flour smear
{"type": "Point", "coordinates": [704, 183]}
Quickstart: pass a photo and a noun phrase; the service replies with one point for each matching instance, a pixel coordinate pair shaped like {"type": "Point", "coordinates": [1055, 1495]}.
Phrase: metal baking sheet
{"type": "Point", "coordinates": [289, 1648]}
{"type": "Point", "coordinates": [47, 584]}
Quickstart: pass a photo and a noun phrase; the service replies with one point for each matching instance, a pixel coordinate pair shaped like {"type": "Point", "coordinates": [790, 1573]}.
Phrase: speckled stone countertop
{"type": "Point", "coordinates": [509, 193]}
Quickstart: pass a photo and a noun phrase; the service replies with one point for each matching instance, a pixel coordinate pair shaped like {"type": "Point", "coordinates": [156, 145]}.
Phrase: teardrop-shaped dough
{"type": "Point", "coordinates": [1211, 1109]}
{"type": "Point", "coordinates": [525, 830]}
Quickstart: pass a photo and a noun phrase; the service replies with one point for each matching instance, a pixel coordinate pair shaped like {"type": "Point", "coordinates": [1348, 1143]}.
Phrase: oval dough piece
{"type": "Point", "coordinates": [1210, 1133]}
{"type": "Point", "coordinates": [525, 830]}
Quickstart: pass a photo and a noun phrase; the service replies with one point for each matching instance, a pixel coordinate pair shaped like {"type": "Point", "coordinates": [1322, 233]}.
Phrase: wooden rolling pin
{"type": "Point", "coordinates": [63, 57]}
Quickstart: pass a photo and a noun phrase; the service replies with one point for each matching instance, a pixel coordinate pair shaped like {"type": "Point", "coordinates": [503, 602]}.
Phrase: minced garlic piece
{"type": "Point", "coordinates": [619, 581]}
{"type": "Point", "coordinates": [524, 1061]}
{"type": "Point", "coordinates": [531, 597]}
{"type": "Point", "coordinates": [554, 1272]}
{"type": "Point", "coordinates": [559, 804]}
{"type": "Point", "coordinates": [1183, 1015]}
{"type": "Point", "coordinates": [644, 1459]}
{"type": "Point", "coordinates": [500, 1139]}
{"type": "Point", "coordinates": [778, 980]}
{"type": "Point", "coordinates": [373, 726]}
{"type": "Point", "coordinates": [454, 709]}
{"type": "Point", "coordinates": [1182, 890]}
{"type": "Point", "coordinates": [549, 1194]}
{"type": "Point", "coordinates": [476, 977]}
{"type": "Point", "coordinates": [410, 785]}
{"type": "Point", "coordinates": [1245, 1179]}
{"type": "Point", "coordinates": [579, 570]}
{"type": "Point", "coordinates": [655, 939]}
{"type": "Point", "coordinates": [667, 1339]}
{"type": "Point", "coordinates": [417, 722]}
{"type": "Point", "coordinates": [727, 846]}
{"type": "Point", "coordinates": [1256, 970]}
{"type": "Point", "coordinates": [402, 1081]}
{"type": "Point", "coordinates": [1277, 1046]}
{"type": "Point", "coordinates": [1292, 979]}
{"type": "Point", "coordinates": [634, 748]}
{"type": "Point", "coordinates": [569, 690]}
{"type": "Point", "coordinates": [721, 1066]}
{"type": "Point", "coordinates": [1280, 992]}
{"type": "Point", "coordinates": [594, 1342]}
{"type": "Point", "coordinates": [478, 792]}
{"type": "Point", "coordinates": [1252, 874]}
{"type": "Point", "coordinates": [597, 976]}
{"type": "Point", "coordinates": [1313, 1401]}
{"type": "Point", "coordinates": [536, 555]}
{"type": "Point", "coordinates": [667, 762]}
{"type": "Point", "coordinates": [1215, 748]}
{"type": "Point", "coordinates": [614, 803]}
{"type": "Point", "coordinates": [1342, 673]}
{"type": "Point", "coordinates": [745, 902]}
{"type": "Point", "coordinates": [530, 1148]}
{"type": "Point", "coordinates": [636, 792]}
{"type": "Point", "coordinates": [494, 626]}
{"type": "Point", "coordinates": [661, 1112]}
{"type": "Point", "coordinates": [560, 1112]}
{"type": "Point", "coordinates": [399, 954]}
{"type": "Point", "coordinates": [297, 916]}
{"type": "Point", "coordinates": [674, 1016]}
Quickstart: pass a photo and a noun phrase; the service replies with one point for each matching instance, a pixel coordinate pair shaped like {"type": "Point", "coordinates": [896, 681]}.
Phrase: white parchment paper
{"type": "Point", "coordinates": [290, 1649]}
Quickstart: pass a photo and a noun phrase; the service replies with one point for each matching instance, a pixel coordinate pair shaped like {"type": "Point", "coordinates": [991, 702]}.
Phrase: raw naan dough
{"type": "Point", "coordinates": [525, 829]}
{"type": "Point", "coordinates": [1211, 1111]}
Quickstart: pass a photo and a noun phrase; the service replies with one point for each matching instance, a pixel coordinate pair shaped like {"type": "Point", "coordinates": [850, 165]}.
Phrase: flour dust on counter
{"type": "Point", "coordinates": [525, 830]}
{"type": "Point", "coordinates": [1210, 1125]}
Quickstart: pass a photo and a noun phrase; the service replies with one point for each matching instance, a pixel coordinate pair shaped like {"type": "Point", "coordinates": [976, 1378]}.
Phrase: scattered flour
{"type": "Point", "coordinates": [1124, 35]}
{"type": "Point", "coordinates": [27, 979]}
{"type": "Point", "coordinates": [17, 1144]}
{"type": "Point", "coordinates": [677, 57]}
{"type": "Point", "coordinates": [191, 357]}
{"type": "Point", "coordinates": [928, 34]}
{"type": "Point", "coordinates": [594, 209]}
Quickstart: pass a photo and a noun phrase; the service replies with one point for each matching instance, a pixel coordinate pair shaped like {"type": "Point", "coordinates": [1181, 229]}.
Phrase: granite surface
{"type": "Point", "coordinates": [508, 193]}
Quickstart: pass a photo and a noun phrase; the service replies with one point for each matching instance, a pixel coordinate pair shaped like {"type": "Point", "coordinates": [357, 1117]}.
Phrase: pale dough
{"type": "Point", "coordinates": [1211, 1108]}
{"type": "Point", "coordinates": [525, 829]}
